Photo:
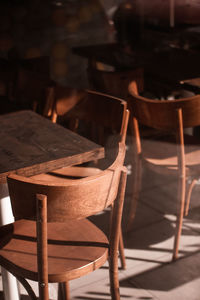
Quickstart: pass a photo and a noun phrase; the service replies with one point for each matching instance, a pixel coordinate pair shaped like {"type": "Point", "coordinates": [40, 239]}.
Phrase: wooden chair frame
{"type": "Point", "coordinates": [115, 82]}
{"type": "Point", "coordinates": [166, 116]}
{"type": "Point", "coordinates": [61, 100]}
{"type": "Point", "coordinates": [44, 205]}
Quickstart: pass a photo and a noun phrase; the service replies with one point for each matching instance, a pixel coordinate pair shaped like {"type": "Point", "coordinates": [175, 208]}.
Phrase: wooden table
{"type": "Point", "coordinates": [30, 145]}
{"type": "Point", "coordinates": [170, 65]}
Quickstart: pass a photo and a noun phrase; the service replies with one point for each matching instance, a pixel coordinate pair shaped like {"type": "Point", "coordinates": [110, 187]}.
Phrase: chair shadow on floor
{"type": "Point", "coordinates": [168, 276]}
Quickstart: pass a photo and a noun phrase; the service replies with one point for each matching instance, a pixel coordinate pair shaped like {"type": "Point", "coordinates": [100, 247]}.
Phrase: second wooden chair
{"type": "Point", "coordinates": [173, 153]}
{"type": "Point", "coordinates": [100, 117]}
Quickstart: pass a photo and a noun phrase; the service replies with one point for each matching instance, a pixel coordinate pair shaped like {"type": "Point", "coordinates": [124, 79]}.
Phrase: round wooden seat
{"type": "Point", "coordinates": [162, 155]}
{"type": "Point", "coordinates": [71, 253]}
{"type": "Point", "coordinates": [63, 174]}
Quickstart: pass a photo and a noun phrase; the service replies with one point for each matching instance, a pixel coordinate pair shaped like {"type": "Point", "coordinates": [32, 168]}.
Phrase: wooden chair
{"type": "Point", "coordinates": [115, 82]}
{"type": "Point", "coordinates": [93, 114]}
{"type": "Point", "coordinates": [174, 153]}
{"type": "Point", "coordinates": [99, 113]}
{"type": "Point", "coordinates": [52, 240]}
{"type": "Point", "coordinates": [60, 100]}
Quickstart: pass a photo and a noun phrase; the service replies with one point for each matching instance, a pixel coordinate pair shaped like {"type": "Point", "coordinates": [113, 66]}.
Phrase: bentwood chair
{"type": "Point", "coordinates": [100, 117]}
{"type": "Point", "coordinates": [52, 240]}
{"type": "Point", "coordinates": [115, 82]}
{"type": "Point", "coordinates": [60, 100]}
{"type": "Point", "coordinates": [174, 153]}
{"type": "Point", "coordinates": [95, 115]}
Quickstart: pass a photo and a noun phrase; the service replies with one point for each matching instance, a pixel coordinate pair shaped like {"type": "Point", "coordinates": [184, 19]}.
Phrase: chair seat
{"type": "Point", "coordinates": [71, 253]}
{"type": "Point", "coordinates": [83, 171]}
{"type": "Point", "coordinates": [63, 174]}
{"type": "Point", "coordinates": [161, 155]}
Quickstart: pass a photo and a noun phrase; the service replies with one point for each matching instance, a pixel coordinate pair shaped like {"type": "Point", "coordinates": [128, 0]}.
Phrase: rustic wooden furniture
{"type": "Point", "coordinates": [31, 145]}
{"type": "Point", "coordinates": [115, 82]}
{"type": "Point", "coordinates": [52, 239]}
{"type": "Point", "coordinates": [111, 54]}
{"type": "Point", "coordinates": [158, 63]}
{"type": "Point", "coordinates": [95, 114]}
{"type": "Point", "coordinates": [174, 153]}
{"type": "Point", "coordinates": [60, 100]}
{"type": "Point", "coordinates": [102, 116]}
{"type": "Point", "coordinates": [95, 111]}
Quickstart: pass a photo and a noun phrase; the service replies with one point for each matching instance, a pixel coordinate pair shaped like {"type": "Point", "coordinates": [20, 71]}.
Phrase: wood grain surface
{"type": "Point", "coordinates": [31, 144]}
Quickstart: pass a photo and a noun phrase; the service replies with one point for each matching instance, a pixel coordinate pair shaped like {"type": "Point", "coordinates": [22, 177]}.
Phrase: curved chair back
{"type": "Point", "coordinates": [98, 112]}
{"type": "Point", "coordinates": [163, 114]}
{"type": "Point", "coordinates": [74, 199]}
{"type": "Point", "coordinates": [101, 109]}
{"type": "Point", "coordinates": [166, 154]}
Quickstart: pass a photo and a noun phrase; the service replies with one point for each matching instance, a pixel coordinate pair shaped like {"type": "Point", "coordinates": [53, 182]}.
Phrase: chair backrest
{"type": "Point", "coordinates": [74, 199]}
{"type": "Point", "coordinates": [101, 109]}
{"type": "Point", "coordinates": [163, 114]}
{"type": "Point", "coordinates": [167, 115]}
{"type": "Point", "coordinates": [115, 82]}
{"type": "Point", "coordinates": [95, 110]}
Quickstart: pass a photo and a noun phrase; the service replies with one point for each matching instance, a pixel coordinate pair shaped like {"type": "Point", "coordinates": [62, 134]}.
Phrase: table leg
{"type": "Point", "coordinates": [10, 285]}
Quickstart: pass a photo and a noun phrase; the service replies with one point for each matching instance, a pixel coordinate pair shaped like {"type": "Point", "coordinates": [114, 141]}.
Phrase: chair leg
{"type": "Point", "coordinates": [180, 213]}
{"type": "Point", "coordinates": [137, 178]}
{"type": "Point", "coordinates": [114, 280]}
{"type": "Point", "coordinates": [187, 202]}
{"type": "Point", "coordinates": [28, 287]}
{"type": "Point", "coordinates": [121, 244]}
{"type": "Point", "coordinates": [121, 251]}
{"type": "Point", "coordinates": [66, 289]}
{"type": "Point", "coordinates": [63, 291]}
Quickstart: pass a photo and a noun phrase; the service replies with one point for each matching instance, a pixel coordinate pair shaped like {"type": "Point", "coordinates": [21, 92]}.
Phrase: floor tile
{"type": "Point", "coordinates": [177, 280]}
{"type": "Point", "coordinates": [100, 290]}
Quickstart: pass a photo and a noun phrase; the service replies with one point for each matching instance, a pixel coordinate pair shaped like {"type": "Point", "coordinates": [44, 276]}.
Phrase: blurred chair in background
{"type": "Point", "coordinates": [115, 82]}
{"type": "Point", "coordinates": [172, 153]}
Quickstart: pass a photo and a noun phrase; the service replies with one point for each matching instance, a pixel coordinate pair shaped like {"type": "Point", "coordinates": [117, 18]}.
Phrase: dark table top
{"type": "Point", "coordinates": [111, 54]}
{"type": "Point", "coordinates": [170, 64]}
{"type": "Point", "coordinates": [31, 144]}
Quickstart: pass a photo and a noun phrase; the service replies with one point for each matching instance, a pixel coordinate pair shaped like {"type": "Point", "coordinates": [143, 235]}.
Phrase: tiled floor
{"type": "Point", "coordinates": [150, 274]}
